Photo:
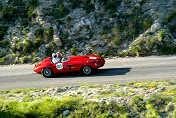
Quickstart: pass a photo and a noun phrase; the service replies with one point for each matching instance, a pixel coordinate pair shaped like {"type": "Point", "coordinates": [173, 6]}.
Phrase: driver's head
{"type": "Point", "coordinates": [59, 54]}
{"type": "Point", "coordinates": [54, 55]}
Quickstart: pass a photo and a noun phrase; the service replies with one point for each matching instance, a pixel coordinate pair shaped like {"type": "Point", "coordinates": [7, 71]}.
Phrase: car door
{"type": "Point", "coordinates": [59, 67]}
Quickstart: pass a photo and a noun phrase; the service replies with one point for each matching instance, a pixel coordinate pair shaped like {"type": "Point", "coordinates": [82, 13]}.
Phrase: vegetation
{"type": "Point", "coordinates": [24, 59]}
{"type": "Point", "coordinates": [2, 60]}
{"type": "Point", "coordinates": [23, 103]}
{"type": "Point", "coordinates": [19, 19]}
{"type": "Point", "coordinates": [3, 30]}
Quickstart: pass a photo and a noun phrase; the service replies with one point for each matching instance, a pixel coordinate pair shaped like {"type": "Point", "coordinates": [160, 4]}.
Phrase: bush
{"type": "Point", "coordinates": [24, 22]}
{"type": "Point", "coordinates": [39, 32]}
{"type": "Point", "coordinates": [33, 3]}
{"type": "Point", "coordinates": [68, 18]}
{"type": "Point", "coordinates": [3, 30]}
{"type": "Point", "coordinates": [161, 35]}
{"type": "Point", "coordinates": [137, 104]}
{"type": "Point", "coordinates": [2, 60]}
{"type": "Point", "coordinates": [8, 13]}
{"type": "Point", "coordinates": [73, 50]}
{"type": "Point", "coordinates": [27, 46]}
{"type": "Point", "coordinates": [31, 14]}
{"type": "Point", "coordinates": [24, 59]}
{"type": "Point", "coordinates": [147, 22]}
{"type": "Point", "coordinates": [152, 113]}
{"type": "Point", "coordinates": [167, 48]}
{"type": "Point", "coordinates": [4, 43]}
{"type": "Point", "coordinates": [1, 6]}
{"type": "Point", "coordinates": [59, 12]}
{"type": "Point", "coordinates": [48, 34]}
{"type": "Point", "coordinates": [2, 55]}
{"type": "Point", "coordinates": [37, 42]}
{"type": "Point", "coordinates": [112, 5]}
{"type": "Point", "coordinates": [88, 6]}
{"type": "Point", "coordinates": [19, 46]}
{"type": "Point", "coordinates": [170, 16]}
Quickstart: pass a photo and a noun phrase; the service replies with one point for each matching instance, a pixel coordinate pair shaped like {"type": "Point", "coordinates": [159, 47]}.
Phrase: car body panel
{"type": "Point", "coordinates": [75, 63]}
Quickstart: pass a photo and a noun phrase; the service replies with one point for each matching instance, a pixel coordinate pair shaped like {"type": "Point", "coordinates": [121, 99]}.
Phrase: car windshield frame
{"type": "Point", "coordinates": [64, 59]}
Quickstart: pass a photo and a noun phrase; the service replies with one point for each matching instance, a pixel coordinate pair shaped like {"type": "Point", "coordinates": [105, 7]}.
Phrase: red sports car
{"type": "Point", "coordinates": [85, 64]}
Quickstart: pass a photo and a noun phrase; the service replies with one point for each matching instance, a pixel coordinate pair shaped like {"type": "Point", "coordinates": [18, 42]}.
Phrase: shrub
{"type": "Point", "coordinates": [27, 46]}
{"type": "Point", "coordinates": [88, 6]}
{"type": "Point", "coordinates": [27, 43]}
{"type": "Point", "coordinates": [37, 42]}
{"type": "Point", "coordinates": [4, 43]}
{"type": "Point", "coordinates": [102, 32]}
{"type": "Point", "coordinates": [160, 100]}
{"type": "Point", "coordinates": [59, 12]}
{"type": "Point", "coordinates": [170, 16]}
{"type": "Point", "coordinates": [15, 61]}
{"type": "Point", "coordinates": [23, 59]}
{"type": "Point", "coordinates": [137, 104]}
{"type": "Point", "coordinates": [2, 60]}
{"type": "Point", "coordinates": [3, 30]}
{"type": "Point", "coordinates": [48, 34]}
{"type": "Point", "coordinates": [39, 32]}
{"type": "Point", "coordinates": [1, 6]}
{"type": "Point", "coordinates": [172, 29]}
{"type": "Point", "coordinates": [73, 50]}
{"type": "Point", "coordinates": [34, 59]}
{"type": "Point", "coordinates": [33, 3]}
{"type": "Point", "coordinates": [167, 47]}
{"type": "Point", "coordinates": [24, 22]}
{"type": "Point", "coordinates": [8, 12]}
{"type": "Point", "coordinates": [112, 5]}
{"type": "Point", "coordinates": [31, 14]}
{"type": "Point", "coordinates": [147, 22]}
{"type": "Point", "coordinates": [68, 18]}
{"type": "Point", "coordinates": [152, 113]}
{"type": "Point", "coordinates": [161, 35]}
{"type": "Point", "coordinates": [126, 53]}
{"type": "Point", "coordinates": [2, 55]}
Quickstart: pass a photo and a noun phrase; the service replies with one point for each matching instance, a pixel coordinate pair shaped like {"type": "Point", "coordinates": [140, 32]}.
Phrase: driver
{"type": "Point", "coordinates": [55, 59]}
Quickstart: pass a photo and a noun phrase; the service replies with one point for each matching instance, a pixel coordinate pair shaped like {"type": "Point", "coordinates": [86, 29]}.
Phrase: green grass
{"type": "Point", "coordinates": [53, 107]}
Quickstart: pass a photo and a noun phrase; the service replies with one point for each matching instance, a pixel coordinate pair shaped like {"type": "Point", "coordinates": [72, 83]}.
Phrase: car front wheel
{"type": "Point", "coordinates": [86, 70]}
{"type": "Point", "coordinates": [47, 72]}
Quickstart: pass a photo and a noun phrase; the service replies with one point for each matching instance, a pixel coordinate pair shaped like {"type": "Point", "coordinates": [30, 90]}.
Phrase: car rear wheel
{"type": "Point", "coordinates": [47, 72]}
{"type": "Point", "coordinates": [86, 70]}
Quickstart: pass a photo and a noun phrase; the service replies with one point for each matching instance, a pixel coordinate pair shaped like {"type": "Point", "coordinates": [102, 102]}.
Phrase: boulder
{"type": "Point", "coordinates": [155, 27]}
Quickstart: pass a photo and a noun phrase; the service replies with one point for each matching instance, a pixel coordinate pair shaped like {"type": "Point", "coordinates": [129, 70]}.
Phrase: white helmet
{"type": "Point", "coordinates": [54, 54]}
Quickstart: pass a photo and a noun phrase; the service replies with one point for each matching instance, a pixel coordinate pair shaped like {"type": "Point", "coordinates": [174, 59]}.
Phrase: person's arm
{"type": "Point", "coordinates": [54, 61]}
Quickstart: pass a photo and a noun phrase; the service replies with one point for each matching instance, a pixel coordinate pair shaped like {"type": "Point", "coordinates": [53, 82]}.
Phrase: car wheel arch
{"type": "Point", "coordinates": [82, 70]}
{"type": "Point", "coordinates": [47, 70]}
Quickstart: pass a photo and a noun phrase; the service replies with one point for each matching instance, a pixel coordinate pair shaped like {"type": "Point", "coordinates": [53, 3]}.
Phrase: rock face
{"type": "Point", "coordinates": [37, 28]}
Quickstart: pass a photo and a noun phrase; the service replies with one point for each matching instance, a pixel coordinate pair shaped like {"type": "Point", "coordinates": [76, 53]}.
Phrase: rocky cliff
{"type": "Point", "coordinates": [31, 30]}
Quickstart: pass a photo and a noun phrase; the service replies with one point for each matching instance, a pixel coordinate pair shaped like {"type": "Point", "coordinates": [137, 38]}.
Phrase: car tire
{"type": "Point", "coordinates": [47, 72]}
{"type": "Point", "coordinates": [86, 70]}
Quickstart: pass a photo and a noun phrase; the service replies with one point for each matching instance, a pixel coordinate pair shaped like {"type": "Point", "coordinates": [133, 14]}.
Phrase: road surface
{"type": "Point", "coordinates": [115, 70]}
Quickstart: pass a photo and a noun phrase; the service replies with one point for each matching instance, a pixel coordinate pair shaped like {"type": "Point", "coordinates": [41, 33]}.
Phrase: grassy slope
{"type": "Point", "coordinates": [147, 99]}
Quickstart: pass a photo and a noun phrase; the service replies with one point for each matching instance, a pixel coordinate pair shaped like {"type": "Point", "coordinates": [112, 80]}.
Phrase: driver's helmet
{"type": "Point", "coordinates": [54, 55]}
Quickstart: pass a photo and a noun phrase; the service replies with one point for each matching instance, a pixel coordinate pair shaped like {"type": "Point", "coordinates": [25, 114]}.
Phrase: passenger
{"type": "Point", "coordinates": [55, 59]}
{"type": "Point", "coordinates": [59, 55]}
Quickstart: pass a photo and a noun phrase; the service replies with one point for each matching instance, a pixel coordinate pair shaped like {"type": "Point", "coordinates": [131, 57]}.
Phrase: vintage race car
{"type": "Point", "coordinates": [86, 64]}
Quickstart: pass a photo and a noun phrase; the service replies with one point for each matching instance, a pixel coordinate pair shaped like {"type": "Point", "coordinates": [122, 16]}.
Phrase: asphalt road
{"type": "Point", "coordinates": [115, 70]}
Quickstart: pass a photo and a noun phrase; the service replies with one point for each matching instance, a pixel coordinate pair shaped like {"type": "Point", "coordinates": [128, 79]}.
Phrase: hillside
{"type": "Point", "coordinates": [31, 30]}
